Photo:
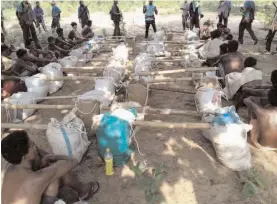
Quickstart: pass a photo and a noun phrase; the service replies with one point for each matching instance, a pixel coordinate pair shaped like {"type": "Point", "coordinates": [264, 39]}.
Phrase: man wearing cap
{"type": "Point", "coordinates": [150, 10]}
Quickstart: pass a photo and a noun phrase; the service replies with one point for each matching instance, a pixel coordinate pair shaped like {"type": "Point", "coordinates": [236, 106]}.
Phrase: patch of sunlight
{"type": "Point", "coordinates": [77, 82]}
{"type": "Point", "coordinates": [127, 172]}
{"type": "Point", "coordinates": [171, 147]}
{"type": "Point", "coordinates": [180, 192]}
{"type": "Point", "coordinates": [200, 172]}
{"type": "Point", "coordinates": [64, 111]}
{"type": "Point", "coordinates": [183, 162]}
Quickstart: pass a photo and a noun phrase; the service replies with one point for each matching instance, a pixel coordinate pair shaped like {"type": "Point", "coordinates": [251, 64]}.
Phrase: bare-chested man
{"type": "Point", "coordinates": [62, 42]}
{"type": "Point", "coordinates": [74, 35]}
{"type": "Point", "coordinates": [23, 68]}
{"type": "Point", "coordinates": [87, 31]}
{"type": "Point", "coordinates": [59, 52]}
{"type": "Point", "coordinates": [45, 56]}
{"type": "Point", "coordinates": [264, 120]}
{"type": "Point", "coordinates": [32, 179]}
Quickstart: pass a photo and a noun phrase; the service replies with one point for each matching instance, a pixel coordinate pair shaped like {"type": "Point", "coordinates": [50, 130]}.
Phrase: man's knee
{"type": "Point", "coordinates": [53, 188]}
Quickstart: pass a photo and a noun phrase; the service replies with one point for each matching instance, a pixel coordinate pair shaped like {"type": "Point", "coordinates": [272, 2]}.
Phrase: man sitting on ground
{"type": "Point", "coordinates": [59, 52]}
{"type": "Point", "coordinates": [204, 32]}
{"type": "Point", "coordinates": [211, 50]}
{"type": "Point", "coordinates": [263, 119]}
{"type": "Point", "coordinates": [3, 43]}
{"type": "Point", "coordinates": [62, 42]}
{"type": "Point", "coordinates": [45, 54]}
{"type": "Point", "coordinates": [22, 67]}
{"type": "Point", "coordinates": [87, 31]}
{"type": "Point", "coordinates": [74, 35]}
{"type": "Point", "coordinates": [32, 178]}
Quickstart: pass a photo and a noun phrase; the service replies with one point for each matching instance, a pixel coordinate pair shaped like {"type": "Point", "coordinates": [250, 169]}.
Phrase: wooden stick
{"type": "Point", "coordinates": [50, 78]}
{"type": "Point", "coordinates": [174, 89]}
{"type": "Point", "coordinates": [153, 124]}
{"type": "Point", "coordinates": [168, 111]}
{"type": "Point", "coordinates": [36, 106]}
{"type": "Point", "coordinates": [150, 124]}
{"type": "Point", "coordinates": [48, 98]}
{"type": "Point", "coordinates": [169, 60]}
{"type": "Point", "coordinates": [24, 126]}
{"type": "Point", "coordinates": [174, 79]}
{"type": "Point", "coordinates": [83, 69]}
{"type": "Point", "coordinates": [151, 73]}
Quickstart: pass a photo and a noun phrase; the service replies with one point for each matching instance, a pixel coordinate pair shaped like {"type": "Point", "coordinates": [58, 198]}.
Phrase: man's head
{"type": "Point", "coordinates": [219, 26]}
{"type": "Point", "coordinates": [74, 25]}
{"type": "Point", "coordinates": [53, 3]}
{"type": "Point", "coordinates": [250, 62]}
{"type": "Point", "coordinates": [5, 51]}
{"type": "Point", "coordinates": [273, 78]}
{"type": "Point", "coordinates": [17, 148]}
{"type": "Point", "coordinates": [233, 46]}
{"type": "Point", "coordinates": [81, 3]}
{"type": "Point", "coordinates": [59, 31]}
{"type": "Point", "coordinates": [30, 43]}
{"type": "Point", "coordinates": [229, 37]}
{"type": "Point", "coordinates": [89, 23]}
{"type": "Point", "coordinates": [37, 3]}
{"type": "Point", "coordinates": [150, 2]}
{"type": "Point", "coordinates": [21, 53]}
{"type": "Point", "coordinates": [51, 40]}
{"type": "Point", "coordinates": [115, 2]}
{"type": "Point", "coordinates": [206, 25]}
{"type": "Point", "coordinates": [215, 34]}
{"type": "Point", "coordinates": [223, 48]}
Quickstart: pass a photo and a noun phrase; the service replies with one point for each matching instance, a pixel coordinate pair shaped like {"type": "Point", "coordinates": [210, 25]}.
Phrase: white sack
{"type": "Point", "coordinates": [37, 86]}
{"type": "Point", "coordinates": [70, 61]}
{"type": "Point", "coordinates": [207, 100]}
{"type": "Point", "coordinates": [68, 137]}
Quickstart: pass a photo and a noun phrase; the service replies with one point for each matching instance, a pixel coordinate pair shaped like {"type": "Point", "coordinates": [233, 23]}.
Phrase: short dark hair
{"type": "Point", "coordinates": [273, 78]}
{"type": "Point", "coordinates": [4, 48]}
{"type": "Point", "coordinates": [223, 48]}
{"type": "Point", "coordinates": [29, 41]}
{"type": "Point", "coordinates": [15, 146]}
{"type": "Point", "coordinates": [233, 45]}
{"type": "Point", "coordinates": [272, 96]}
{"type": "Point", "coordinates": [250, 62]}
{"type": "Point", "coordinates": [219, 25]}
{"type": "Point", "coordinates": [89, 23]}
{"type": "Point", "coordinates": [73, 24]}
{"type": "Point", "coordinates": [21, 52]}
{"type": "Point", "coordinates": [50, 39]}
{"type": "Point", "coordinates": [229, 37]}
{"type": "Point", "coordinates": [59, 30]}
{"type": "Point", "coordinates": [215, 34]}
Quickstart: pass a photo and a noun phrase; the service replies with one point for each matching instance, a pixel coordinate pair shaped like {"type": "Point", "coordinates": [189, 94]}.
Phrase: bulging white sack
{"type": "Point", "coordinates": [99, 95]}
{"type": "Point", "coordinates": [68, 137]}
{"type": "Point", "coordinates": [207, 100]}
{"type": "Point", "coordinates": [81, 58]}
{"type": "Point", "coordinates": [70, 61]}
{"type": "Point", "coordinates": [53, 70]}
{"type": "Point", "coordinates": [106, 85]}
{"type": "Point", "coordinates": [37, 86]}
{"type": "Point", "coordinates": [121, 52]}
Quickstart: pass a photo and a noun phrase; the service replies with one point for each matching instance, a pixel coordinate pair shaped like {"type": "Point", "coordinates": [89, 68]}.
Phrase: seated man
{"type": "Point", "coordinates": [10, 47]}
{"type": "Point", "coordinates": [232, 61]}
{"type": "Point", "coordinates": [204, 32]}
{"type": "Point", "coordinates": [21, 67]}
{"type": "Point", "coordinates": [34, 178]}
{"type": "Point", "coordinates": [59, 52]}
{"type": "Point", "coordinates": [62, 42]}
{"type": "Point", "coordinates": [263, 120]}
{"type": "Point", "coordinates": [87, 31]}
{"type": "Point", "coordinates": [46, 55]}
{"type": "Point", "coordinates": [211, 50]}
{"type": "Point", "coordinates": [74, 35]}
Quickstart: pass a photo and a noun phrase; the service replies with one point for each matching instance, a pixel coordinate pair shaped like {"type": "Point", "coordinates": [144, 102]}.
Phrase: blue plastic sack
{"type": "Point", "coordinates": [114, 133]}
{"type": "Point", "coordinates": [227, 117]}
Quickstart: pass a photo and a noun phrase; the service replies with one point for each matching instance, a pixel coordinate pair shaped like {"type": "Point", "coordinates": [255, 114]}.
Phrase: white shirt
{"type": "Point", "coordinates": [211, 49]}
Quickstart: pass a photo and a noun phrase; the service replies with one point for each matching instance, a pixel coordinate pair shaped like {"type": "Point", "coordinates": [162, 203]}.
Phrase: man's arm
{"type": "Point", "coordinates": [251, 105]}
{"type": "Point", "coordinates": [64, 42]}
{"type": "Point", "coordinates": [156, 10]}
{"type": "Point", "coordinates": [144, 9]}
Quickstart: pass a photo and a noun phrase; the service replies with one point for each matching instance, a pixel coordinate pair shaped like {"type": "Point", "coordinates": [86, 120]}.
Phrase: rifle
{"type": "Point", "coordinates": [86, 7]}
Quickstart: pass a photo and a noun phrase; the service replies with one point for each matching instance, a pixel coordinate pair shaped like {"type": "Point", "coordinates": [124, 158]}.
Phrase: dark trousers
{"type": "Point", "coordinates": [40, 21]}
{"type": "Point", "coordinates": [185, 22]}
{"type": "Point", "coordinates": [116, 31]}
{"type": "Point", "coordinates": [29, 31]}
{"type": "Point", "coordinates": [55, 23]}
{"type": "Point", "coordinates": [221, 18]}
{"type": "Point", "coordinates": [194, 21]}
{"type": "Point", "coordinates": [84, 22]}
{"type": "Point", "coordinates": [147, 25]}
{"type": "Point", "coordinates": [248, 26]}
{"type": "Point", "coordinates": [269, 39]}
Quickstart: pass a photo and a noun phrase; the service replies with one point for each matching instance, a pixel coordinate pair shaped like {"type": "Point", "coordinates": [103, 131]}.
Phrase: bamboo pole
{"type": "Point", "coordinates": [167, 111]}
{"type": "Point", "coordinates": [50, 78]}
{"type": "Point", "coordinates": [150, 124]}
{"type": "Point", "coordinates": [36, 106]}
{"type": "Point", "coordinates": [168, 79]}
{"type": "Point", "coordinates": [83, 69]}
{"type": "Point", "coordinates": [151, 73]}
{"type": "Point", "coordinates": [153, 124]}
{"type": "Point", "coordinates": [24, 126]}
{"type": "Point", "coordinates": [174, 89]}
{"type": "Point", "coordinates": [48, 98]}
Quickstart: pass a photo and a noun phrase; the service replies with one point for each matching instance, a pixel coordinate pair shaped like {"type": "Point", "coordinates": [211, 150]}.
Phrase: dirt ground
{"type": "Point", "coordinates": [193, 175]}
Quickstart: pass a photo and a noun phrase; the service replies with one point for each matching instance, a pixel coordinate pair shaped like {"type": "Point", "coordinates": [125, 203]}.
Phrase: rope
{"type": "Point", "coordinates": [84, 101]}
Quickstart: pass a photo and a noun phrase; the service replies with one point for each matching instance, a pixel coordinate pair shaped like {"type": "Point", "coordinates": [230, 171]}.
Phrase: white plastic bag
{"type": "Point", "coordinates": [159, 36]}
{"type": "Point", "coordinates": [121, 52]}
{"type": "Point", "coordinates": [143, 62]}
{"type": "Point", "coordinates": [70, 61]}
{"type": "Point", "coordinates": [106, 85]}
{"type": "Point", "coordinates": [53, 70]}
{"type": "Point", "coordinates": [68, 137]}
{"type": "Point", "coordinates": [230, 143]}
{"type": "Point", "coordinates": [81, 58]}
{"type": "Point", "coordinates": [207, 100]}
{"type": "Point", "coordinates": [20, 98]}
{"type": "Point", "coordinates": [98, 95]}
{"type": "Point", "coordinates": [155, 48]}
{"type": "Point", "coordinates": [37, 86]}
